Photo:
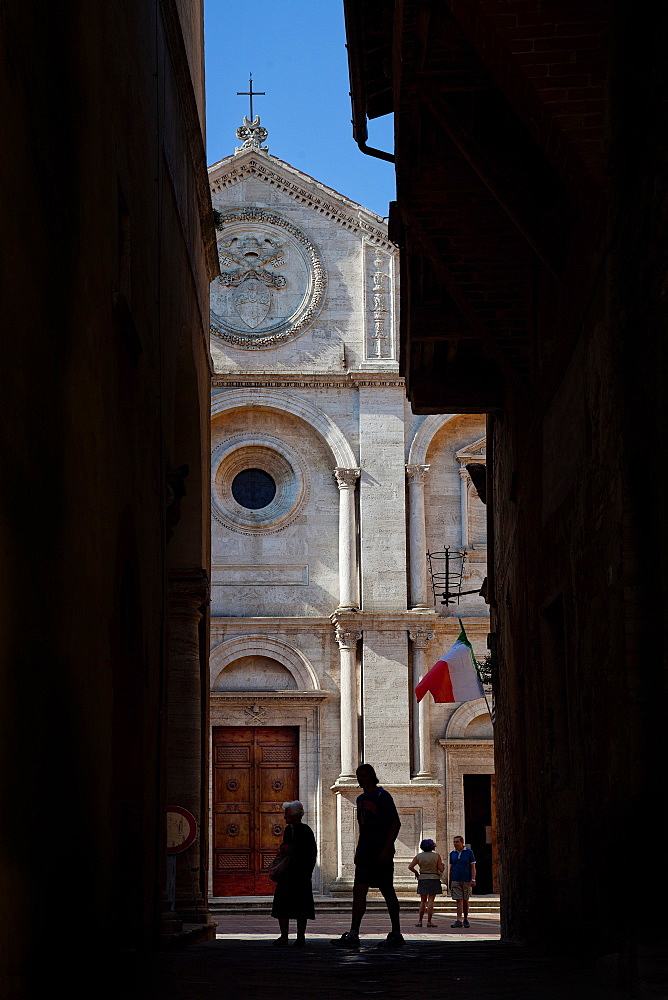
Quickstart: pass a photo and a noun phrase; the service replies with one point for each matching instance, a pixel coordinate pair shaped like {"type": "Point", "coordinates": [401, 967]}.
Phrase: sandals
{"type": "Point", "coordinates": [432, 925]}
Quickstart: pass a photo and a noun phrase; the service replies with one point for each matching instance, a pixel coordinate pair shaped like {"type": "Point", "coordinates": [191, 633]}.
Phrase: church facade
{"type": "Point", "coordinates": [327, 494]}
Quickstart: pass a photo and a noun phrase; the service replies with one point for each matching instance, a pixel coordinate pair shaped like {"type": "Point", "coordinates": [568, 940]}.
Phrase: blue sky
{"type": "Point", "coordinates": [296, 52]}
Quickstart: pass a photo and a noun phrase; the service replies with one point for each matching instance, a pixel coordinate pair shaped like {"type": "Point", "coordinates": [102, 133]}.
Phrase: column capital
{"type": "Point", "coordinates": [347, 638]}
{"type": "Point", "coordinates": [421, 637]}
{"type": "Point", "coordinates": [347, 478]}
{"type": "Point", "coordinates": [416, 474]}
{"type": "Point", "coordinates": [188, 588]}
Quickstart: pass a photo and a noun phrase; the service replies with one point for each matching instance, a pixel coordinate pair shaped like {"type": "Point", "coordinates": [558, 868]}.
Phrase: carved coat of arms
{"type": "Point", "coordinates": [250, 259]}
{"type": "Point", "coordinates": [272, 281]}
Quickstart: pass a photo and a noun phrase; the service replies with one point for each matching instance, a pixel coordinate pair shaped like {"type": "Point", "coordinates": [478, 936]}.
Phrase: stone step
{"type": "Point", "coordinates": [342, 904]}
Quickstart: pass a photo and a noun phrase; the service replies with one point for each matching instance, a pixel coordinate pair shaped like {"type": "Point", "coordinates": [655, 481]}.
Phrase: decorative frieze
{"type": "Point", "coordinates": [272, 381]}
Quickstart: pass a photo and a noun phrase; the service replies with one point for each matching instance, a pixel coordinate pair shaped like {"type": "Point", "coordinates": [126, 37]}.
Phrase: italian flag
{"type": "Point", "coordinates": [455, 676]}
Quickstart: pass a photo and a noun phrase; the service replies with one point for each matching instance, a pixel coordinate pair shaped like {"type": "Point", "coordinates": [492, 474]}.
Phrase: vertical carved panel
{"type": "Point", "coordinates": [378, 320]}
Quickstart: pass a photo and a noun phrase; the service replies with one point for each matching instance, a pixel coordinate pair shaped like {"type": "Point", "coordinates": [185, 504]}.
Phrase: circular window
{"type": "Point", "coordinates": [259, 484]}
{"type": "Point", "coordinates": [253, 489]}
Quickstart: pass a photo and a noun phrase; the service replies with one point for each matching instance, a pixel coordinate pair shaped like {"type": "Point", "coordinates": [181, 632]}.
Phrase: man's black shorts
{"type": "Point", "coordinates": [377, 874]}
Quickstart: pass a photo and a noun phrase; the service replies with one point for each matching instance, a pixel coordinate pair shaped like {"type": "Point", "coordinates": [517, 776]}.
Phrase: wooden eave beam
{"type": "Point", "coordinates": [443, 113]}
{"type": "Point", "coordinates": [412, 226]}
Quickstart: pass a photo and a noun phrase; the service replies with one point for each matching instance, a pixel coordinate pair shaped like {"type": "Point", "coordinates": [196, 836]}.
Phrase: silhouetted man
{"type": "Point", "coordinates": [379, 825]}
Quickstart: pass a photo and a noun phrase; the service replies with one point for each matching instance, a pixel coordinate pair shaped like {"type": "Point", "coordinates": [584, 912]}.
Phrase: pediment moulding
{"type": "Point", "coordinates": [474, 452]}
{"type": "Point", "coordinates": [347, 214]}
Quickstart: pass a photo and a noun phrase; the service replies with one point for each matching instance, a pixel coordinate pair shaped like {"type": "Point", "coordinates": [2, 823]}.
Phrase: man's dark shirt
{"type": "Point", "coordinates": [376, 812]}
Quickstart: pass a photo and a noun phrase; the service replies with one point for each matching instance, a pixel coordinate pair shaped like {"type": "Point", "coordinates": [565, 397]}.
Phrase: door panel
{"type": "Point", "coordinates": [254, 772]}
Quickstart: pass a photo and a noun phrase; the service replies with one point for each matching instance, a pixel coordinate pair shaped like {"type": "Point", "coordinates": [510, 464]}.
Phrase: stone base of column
{"type": "Point", "coordinates": [171, 922]}
{"type": "Point", "coordinates": [192, 914]}
{"type": "Point", "coordinates": [422, 609]}
{"type": "Point", "coordinates": [345, 781]}
{"type": "Point", "coordinates": [423, 777]}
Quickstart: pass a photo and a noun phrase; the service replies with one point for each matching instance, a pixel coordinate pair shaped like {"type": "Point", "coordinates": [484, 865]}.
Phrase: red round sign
{"type": "Point", "coordinates": [181, 829]}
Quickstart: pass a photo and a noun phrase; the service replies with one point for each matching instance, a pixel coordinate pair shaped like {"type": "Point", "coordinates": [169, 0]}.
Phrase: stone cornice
{"type": "Point", "coordinates": [304, 189]}
{"type": "Point", "coordinates": [410, 620]}
{"type": "Point", "coordinates": [390, 786]}
{"type": "Point", "coordinates": [244, 697]}
{"type": "Point", "coordinates": [460, 743]}
{"type": "Point", "coordinates": [358, 620]}
{"type": "Point", "coordinates": [320, 380]}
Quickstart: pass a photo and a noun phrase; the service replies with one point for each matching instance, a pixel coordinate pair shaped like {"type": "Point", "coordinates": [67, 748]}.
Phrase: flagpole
{"type": "Point", "coordinates": [475, 664]}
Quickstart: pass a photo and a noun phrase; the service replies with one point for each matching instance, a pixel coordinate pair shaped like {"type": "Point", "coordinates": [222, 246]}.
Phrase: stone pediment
{"type": "Point", "coordinates": [305, 190]}
{"type": "Point", "coordinates": [474, 452]}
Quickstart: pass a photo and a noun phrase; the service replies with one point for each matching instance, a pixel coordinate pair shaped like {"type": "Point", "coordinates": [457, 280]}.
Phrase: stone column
{"type": "Point", "coordinates": [348, 583]}
{"type": "Point", "coordinates": [188, 595]}
{"type": "Point", "coordinates": [347, 639]}
{"type": "Point", "coordinates": [465, 479]}
{"type": "Point", "coordinates": [417, 539]}
{"type": "Point", "coordinates": [421, 639]}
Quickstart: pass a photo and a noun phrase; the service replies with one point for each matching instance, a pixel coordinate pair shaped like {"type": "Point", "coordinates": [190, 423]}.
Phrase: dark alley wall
{"type": "Point", "coordinates": [106, 231]}
{"type": "Point", "coordinates": [532, 212]}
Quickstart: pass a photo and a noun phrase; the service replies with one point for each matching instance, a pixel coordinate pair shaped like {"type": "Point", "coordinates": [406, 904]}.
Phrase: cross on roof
{"type": "Point", "coordinates": [251, 94]}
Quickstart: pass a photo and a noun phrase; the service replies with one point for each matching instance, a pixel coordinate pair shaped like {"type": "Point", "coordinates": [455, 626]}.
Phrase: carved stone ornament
{"type": "Point", "coordinates": [421, 637]}
{"type": "Point", "coordinates": [255, 714]}
{"type": "Point", "coordinates": [347, 638]}
{"type": "Point", "coordinates": [272, 281]}
{"type": "Point", "coordinates": [347, 478]}
{"type": "Point", "coordinates": [417, 474]}
{"type": "Point", "coordinates": [379, 347]}
{"type": "Point", "coordinates": [252, 135]}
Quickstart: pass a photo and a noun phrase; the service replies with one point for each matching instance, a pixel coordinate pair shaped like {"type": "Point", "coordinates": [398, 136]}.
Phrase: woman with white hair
{"type": "Point", "coordinates": [293, 896]}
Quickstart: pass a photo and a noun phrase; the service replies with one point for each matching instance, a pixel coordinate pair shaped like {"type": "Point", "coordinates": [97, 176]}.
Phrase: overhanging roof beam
{"type": "Point", "coordinates": [445, 115]}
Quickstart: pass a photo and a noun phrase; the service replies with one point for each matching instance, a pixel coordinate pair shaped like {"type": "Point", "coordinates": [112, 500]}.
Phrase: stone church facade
{"type": "Point", "coordinates": [327, 493]}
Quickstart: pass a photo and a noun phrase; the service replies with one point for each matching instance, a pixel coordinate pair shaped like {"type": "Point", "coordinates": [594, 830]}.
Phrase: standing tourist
{"type": "Point", "coordinates": [379, 825]}
{"type": "Point", "coordinates": [461, 879]}
{"type": "Point", "coordinates": [429, 883]}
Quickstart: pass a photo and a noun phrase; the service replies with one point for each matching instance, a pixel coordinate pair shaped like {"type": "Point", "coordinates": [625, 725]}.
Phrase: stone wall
{"type": "Point", "coordinates": [105, 311]}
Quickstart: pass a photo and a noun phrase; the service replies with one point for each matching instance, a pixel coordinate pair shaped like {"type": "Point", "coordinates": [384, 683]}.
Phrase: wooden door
{"type": "Point", "coordinates": [254, 772]}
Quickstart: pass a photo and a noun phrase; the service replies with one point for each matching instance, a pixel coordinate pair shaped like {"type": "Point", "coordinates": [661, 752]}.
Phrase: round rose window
{"type": "Point", "coordinates": [253, 489]}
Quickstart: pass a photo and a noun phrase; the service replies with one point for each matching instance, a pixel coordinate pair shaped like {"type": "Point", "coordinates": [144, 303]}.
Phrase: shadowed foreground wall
{"type": "Point", "coordinates": [532, 214]}
{"type": "Point", "coordinates": [106, 224]}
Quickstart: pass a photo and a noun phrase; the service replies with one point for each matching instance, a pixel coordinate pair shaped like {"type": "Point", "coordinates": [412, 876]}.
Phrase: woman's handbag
{"type": "Point", "coordinates": [278, 866]}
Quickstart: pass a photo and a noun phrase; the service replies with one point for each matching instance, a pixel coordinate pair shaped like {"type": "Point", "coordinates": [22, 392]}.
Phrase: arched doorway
{"type": "Point", "coordinates": [265, 737]}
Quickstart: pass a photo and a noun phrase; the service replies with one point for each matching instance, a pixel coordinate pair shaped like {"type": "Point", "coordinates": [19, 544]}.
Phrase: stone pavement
{"type": "Point", "coordinates": [441, 963]}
